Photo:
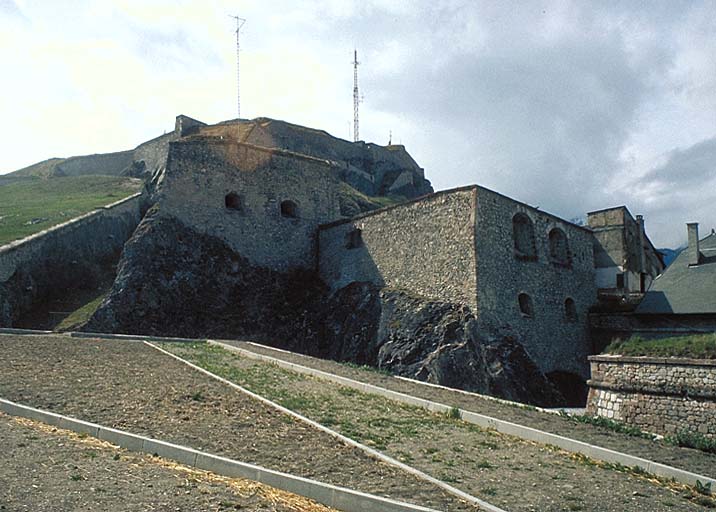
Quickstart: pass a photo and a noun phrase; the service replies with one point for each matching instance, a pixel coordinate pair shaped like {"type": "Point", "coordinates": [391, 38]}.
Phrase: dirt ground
{"type": "Point", "coordinates": [133, 387]}
{"type": "Point", "coordinates": [43, 468]}
{"type": "Point", "coordinates": [506, 471]}
{"type": "Point", "coordinates": [685, 458]}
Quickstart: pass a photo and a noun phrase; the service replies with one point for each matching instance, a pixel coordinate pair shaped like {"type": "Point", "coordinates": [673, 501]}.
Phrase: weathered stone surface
{"type": "Point", "coordinates": [662, 395]}
{"type": "Point", "coordinates": [432, 341]}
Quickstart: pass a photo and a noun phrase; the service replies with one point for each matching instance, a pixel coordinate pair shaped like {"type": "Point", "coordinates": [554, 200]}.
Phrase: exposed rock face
{"type": "Point", "coordinates": [173, 281]}
{"type": "Point", "coordinates": [431, 341]}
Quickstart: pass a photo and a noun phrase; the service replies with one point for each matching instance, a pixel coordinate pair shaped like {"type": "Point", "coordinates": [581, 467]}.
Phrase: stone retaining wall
{"type": "Point", "coordinates": [39, 267]}
{"type": "Point", "coordinates": [658, 395]}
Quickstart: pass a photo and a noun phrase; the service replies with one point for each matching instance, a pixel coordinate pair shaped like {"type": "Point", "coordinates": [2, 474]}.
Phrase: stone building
{"type": "Point", "coordinates": [626, 261]}
{"type": "Point", "coordinates": [517, 267]}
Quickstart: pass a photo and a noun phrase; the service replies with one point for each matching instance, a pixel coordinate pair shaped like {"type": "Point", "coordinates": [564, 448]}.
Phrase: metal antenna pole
{"type": "Point", "coordinates": [356, 97]}
{"type": "Point", "coordinates": [239, 23]}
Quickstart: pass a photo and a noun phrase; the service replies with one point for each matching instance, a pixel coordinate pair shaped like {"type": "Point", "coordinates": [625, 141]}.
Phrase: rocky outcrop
{"type": "Point", "coordinates": [173, 281]}
{"type": "Point", "coordinates": [432, 341]}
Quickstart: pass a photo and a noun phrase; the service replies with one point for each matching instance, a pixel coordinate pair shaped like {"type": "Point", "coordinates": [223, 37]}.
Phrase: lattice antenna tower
{"type": "Point", "coordinates": [239, 23]}
{"type": "Point", "coordinates": [356, 96]}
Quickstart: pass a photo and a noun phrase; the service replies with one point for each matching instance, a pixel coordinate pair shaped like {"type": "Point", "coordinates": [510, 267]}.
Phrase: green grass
{"type": "Point", "coordinates": [607, 423]}
{"type": "Point", "coordinates": [698, 346]}
{"type": "Point", "coordinates": [30, 206]}
{"type": "Point", "coordinates": [693, 440]}
{"type": "Point", "coordinates": [80, 316]}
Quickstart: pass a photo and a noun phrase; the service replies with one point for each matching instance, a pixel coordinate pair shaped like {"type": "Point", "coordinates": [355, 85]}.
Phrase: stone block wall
{"type": "Point", "coordinates": [202, 171]}
{"type": "Point", "coordinates": [425, 247]}
{"type": "Point", "coordinates": [43, 265]}
{"type": "Point", "coordinates": [659, 395]}
{"type": "Point", "coordinates": [557, 339]}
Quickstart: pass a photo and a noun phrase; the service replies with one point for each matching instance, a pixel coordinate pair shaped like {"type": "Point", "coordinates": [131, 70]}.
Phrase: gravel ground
{"type": "Point", "coordinates": [685, 458]}
{"type": "Point", "coordinates": [512, 473]}
{"type": "Point", "coordinates": [133, 387]}
{"type": "Point", "coordinates": [43, 468]}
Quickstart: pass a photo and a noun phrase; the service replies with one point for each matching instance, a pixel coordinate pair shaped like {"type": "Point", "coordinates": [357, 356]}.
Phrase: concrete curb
{"type": "Point", "coordinates": [350, 442]}
{"type": "Point", "coordinates": [131, 337]}
{"type": "Point", "coordinates": [24, 332]}
{"type": "Point", "coordinates": [505, 427]}
{"type": "Point", "coordinates": [337, 497]}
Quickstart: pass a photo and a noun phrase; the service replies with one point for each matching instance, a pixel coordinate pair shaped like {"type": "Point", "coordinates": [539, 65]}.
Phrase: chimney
{"type": "Point", "coordinates": [693, 248]}
{"type": "Point", "coordinates": [642, 251]}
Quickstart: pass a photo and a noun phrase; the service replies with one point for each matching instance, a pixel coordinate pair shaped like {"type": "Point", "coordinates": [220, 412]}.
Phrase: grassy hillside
{"type": "Point", "coordinates": [30, 206]}
{"type": "Point", "coordinates": [701, 346]}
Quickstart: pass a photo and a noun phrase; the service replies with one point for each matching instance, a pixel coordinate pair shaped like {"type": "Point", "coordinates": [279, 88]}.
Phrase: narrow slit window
{"type": "Point", "coordinates": [570, 310]}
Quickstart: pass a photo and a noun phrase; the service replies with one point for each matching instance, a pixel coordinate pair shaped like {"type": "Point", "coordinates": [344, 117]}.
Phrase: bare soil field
{"type": "Point", "coordinates": [133, 387]}
{"type": "Point", "coordinates": [684, 458]}
{"type": "Point", "coordinates": [43, 468]}
{"type": "Point", "coordinates": [506, 471]}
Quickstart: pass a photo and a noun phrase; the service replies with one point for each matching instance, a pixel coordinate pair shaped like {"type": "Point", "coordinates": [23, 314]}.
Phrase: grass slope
{"type": "Point", "coordinates": [30, 206]}
{"type": "Point", "coordinates": [700, 346]}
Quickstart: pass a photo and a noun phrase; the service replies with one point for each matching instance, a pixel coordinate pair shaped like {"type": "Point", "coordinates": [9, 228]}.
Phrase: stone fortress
{"type": "Point", "coordinates": [272, 230]}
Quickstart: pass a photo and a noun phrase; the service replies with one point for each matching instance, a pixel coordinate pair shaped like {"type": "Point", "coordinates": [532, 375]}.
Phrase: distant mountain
{"type": "Point", "coordinates": [670, 254]}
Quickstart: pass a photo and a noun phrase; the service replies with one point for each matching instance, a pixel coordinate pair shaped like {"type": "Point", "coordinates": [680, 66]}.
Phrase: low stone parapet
{"type": "Point", "coordinates": [660, 395]}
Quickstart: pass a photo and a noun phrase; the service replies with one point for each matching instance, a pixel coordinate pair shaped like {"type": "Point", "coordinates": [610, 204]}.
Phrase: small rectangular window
{"type": "Point", "coordinates": [620, 280]}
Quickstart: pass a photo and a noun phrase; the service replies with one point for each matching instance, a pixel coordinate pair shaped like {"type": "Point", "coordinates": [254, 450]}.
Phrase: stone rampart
{"type": "Point", "coordinates": [425, 247]}
{"type": "Point", "coordinates": [660, 395]}
{"type": "Point", "coordinates": [41, 266]}
{"type": "Point", "coordinates": [265, 204]}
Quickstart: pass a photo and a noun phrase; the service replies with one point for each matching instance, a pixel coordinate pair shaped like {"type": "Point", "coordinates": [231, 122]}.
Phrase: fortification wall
{"type": "Point", "coordinates": [663, 396]}
{"type": "Point", "coordinates": [108, 163]}
{"type": "Point", "coordinates": [154, 153]}
{"type": "Point", "coordinates": [424, 247]}
{"type": "Point", "coordinates": [202, 172]}
{"type": "Point", "coordinates": [43, 265]}
{"type": "Point", "coordinates": [556, 340]}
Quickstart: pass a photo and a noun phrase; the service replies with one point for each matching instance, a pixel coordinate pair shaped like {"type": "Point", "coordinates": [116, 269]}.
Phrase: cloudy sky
{"type": "Point", "coordinates": [569, 106]}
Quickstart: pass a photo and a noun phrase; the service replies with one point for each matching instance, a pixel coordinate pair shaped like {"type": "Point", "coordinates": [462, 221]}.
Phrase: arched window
{"type": "Point", "coordinates": [570, 310]}
{"type": "Point", "coordinates": [289, 209]}
{"type": "Point", "coordinates": [525, 302]}
{"type": "Point", "coordinates": [524, 237]}
{"type": "Point", "coordinates": [232, 201]}
{"type": "Point", "coordinates": [558, 247]}
{"type": "Point", "coordinates": [354, 239]}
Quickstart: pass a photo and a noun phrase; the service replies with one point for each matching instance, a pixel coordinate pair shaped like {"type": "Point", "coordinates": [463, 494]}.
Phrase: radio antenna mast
{"type": "Point", "coordinates": [239, 23]}
{"type": "Point", "coordinates": [356, 97]}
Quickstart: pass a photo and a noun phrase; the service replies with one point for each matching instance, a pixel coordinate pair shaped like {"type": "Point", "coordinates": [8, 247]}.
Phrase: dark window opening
{"type": "Point", "coordinates": [354, 239]}
{"type": "Point", "coordinates": [525, 302]}
{"type": "Point", "coordinates": [524, 237]}
{"type": "Point", "coordinates": [570, 310]}
{"type": "Point", "coordinates": [289, 209]}
{"type": "Point", "coordinates": [642, 284]}
{"type": "Point", "coordinates": [232, 201]}
{"type": "Point", "coordinates": [558, 247]}
{"type": "Point", "coordinates": [620, 280]}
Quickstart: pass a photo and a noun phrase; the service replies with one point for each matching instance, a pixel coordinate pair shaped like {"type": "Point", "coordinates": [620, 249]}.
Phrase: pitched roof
{"type": "Point", "coordinates": [682, 289]}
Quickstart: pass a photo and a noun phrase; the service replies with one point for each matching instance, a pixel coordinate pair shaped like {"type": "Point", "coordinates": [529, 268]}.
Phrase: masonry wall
{"type": "Point", "coordinates": [663, 396]}
{"type": "Point", "coordinates": [41, 266]}
{"type": "Point", "coordinates": [425, 247]}
{"type": "Point", "coordinates": [202, 171]}
{"type": "Point", "coordinates": [555, 341]}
